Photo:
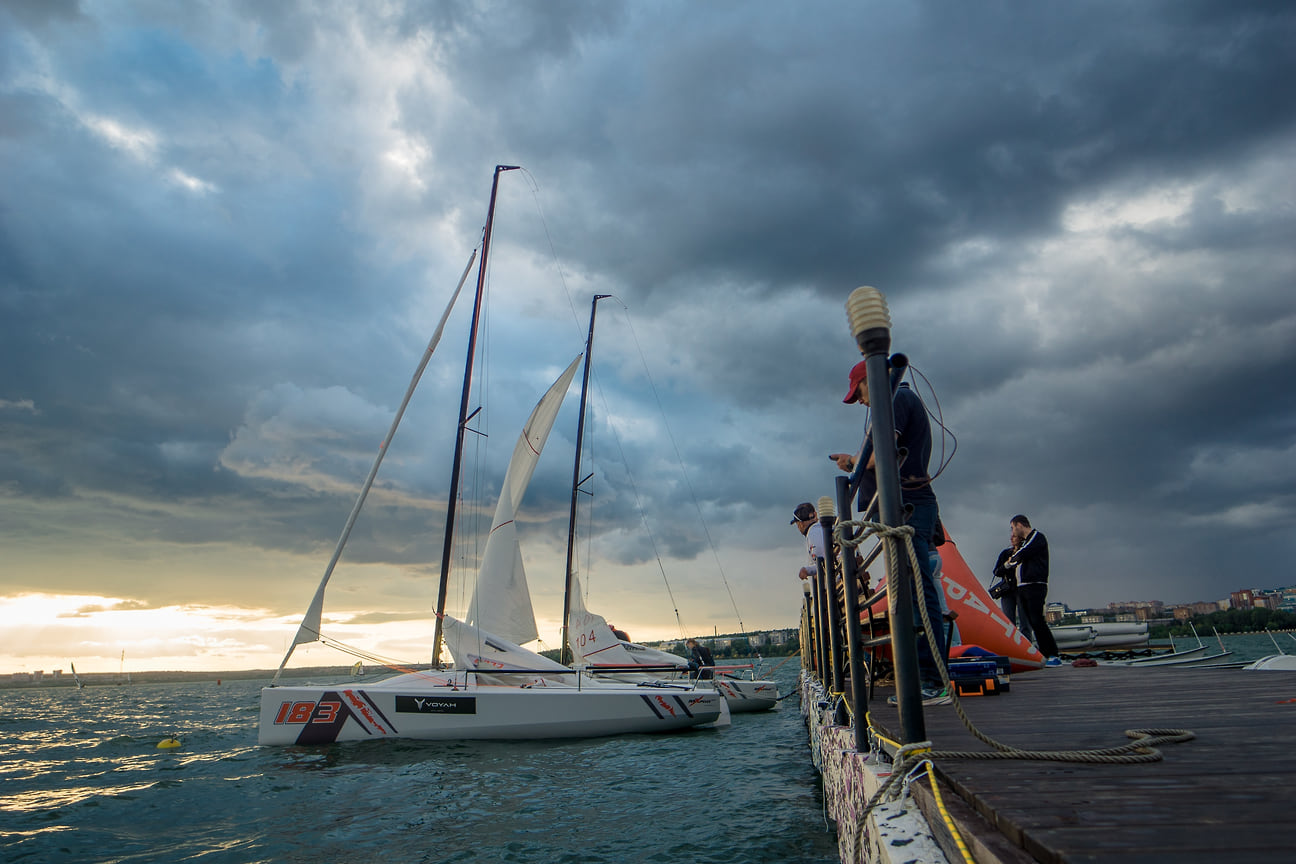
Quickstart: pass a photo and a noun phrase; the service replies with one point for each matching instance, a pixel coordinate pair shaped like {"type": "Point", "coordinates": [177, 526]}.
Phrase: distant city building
{"type": "Point", "coordinates": [1091, 619]}
{"type": "Point", "coordinates": [1148, 608]}
{"type": "Point", "coordinates": [1244, 599]}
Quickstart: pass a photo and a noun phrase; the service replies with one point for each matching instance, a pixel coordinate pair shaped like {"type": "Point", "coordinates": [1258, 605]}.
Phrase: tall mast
{"type": "Point", "coordinates": [566, 655]}
{"type": "Point", "coordinates": [463, 416]}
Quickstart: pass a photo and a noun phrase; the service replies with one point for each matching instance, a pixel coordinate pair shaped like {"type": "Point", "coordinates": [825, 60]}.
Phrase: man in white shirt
{"type": "Point", "coordinates": [807, 522]}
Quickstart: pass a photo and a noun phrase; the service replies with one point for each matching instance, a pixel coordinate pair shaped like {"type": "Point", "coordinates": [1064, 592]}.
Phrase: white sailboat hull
{"type": "Point", "coordinates": [1173, 658]}
{"type": "Point", "coordinates": [1285, 662]}
{"type": "Point", "coordinates": [742, 695]}
{"type": "Point", "coordinates": [431, 707]}
{"type": "Point", "coordinates": [745, 696]}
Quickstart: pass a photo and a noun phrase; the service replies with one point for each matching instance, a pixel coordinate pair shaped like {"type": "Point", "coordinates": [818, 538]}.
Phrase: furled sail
{"type": "Point", "coordinates": [590, 638]}
{"type": "Point", "coordinates": [592, 641]}
{"type": "Point", "coordinates": [474, 648]}
{"type": "Point", "coordinates": [501, 601]}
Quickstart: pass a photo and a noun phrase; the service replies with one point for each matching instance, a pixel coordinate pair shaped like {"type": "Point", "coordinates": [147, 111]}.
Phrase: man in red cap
{"type": "Point", "coordinates": [914, 443]}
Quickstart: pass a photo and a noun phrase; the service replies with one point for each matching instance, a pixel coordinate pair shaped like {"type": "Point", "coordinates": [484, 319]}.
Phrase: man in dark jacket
{"type": "Point", "coordinates": [1008, 602]}
{"type": "Point", "coordinates": [1031, 564]}
{"type": "Point", "coordinates": [700, 660]}
{"type": "Point", "coordinates": [914, 439]}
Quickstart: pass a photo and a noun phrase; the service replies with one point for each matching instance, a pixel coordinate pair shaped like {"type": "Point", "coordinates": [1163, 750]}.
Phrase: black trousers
{"type": "Point", "coordinates": [1031, 595]}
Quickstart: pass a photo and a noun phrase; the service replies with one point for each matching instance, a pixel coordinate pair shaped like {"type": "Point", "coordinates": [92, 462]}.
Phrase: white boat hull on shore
{"type": "Point", "coordinates": [1274, 662]}
{"type": "Point", "coordinates": [434, 707]}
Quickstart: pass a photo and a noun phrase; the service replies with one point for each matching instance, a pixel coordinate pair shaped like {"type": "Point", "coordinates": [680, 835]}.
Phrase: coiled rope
{"type": "Point", "coordinates": [908, 758]}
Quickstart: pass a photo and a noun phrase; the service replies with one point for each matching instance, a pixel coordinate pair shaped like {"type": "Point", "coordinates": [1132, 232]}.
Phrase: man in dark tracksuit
{"type": "Point", "coordinates": [1031, 562]}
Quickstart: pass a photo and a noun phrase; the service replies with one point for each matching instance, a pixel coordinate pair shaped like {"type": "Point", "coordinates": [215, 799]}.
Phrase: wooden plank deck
{"type": "Point", "coordinates": [1225, 797]}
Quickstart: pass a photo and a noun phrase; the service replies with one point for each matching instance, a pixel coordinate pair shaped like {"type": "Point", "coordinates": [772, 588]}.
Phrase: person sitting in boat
{"type": "Point", "coordinates": [620, 634]}
{"type": "Point", "coordinates": [701, 662]}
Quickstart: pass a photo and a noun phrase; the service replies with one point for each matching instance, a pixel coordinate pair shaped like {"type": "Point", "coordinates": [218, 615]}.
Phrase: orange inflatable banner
{"type": "Point", "coordinates": [980, 621]}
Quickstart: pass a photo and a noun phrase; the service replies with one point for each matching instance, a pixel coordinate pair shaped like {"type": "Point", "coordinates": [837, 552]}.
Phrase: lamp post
{"type": "Point", "coordinates": [870, 323]}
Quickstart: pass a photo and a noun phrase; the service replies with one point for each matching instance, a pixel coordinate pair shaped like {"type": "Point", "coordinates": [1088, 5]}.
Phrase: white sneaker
{"type": "Point", "coordinates": [930, 697]}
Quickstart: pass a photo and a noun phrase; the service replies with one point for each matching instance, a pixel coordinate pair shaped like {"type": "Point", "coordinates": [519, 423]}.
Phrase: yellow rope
{"type": "Point", "coordinates": [949, 820]}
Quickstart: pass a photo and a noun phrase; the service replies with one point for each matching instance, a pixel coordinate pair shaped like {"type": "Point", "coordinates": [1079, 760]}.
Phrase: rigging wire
{"type": "Point", "coordinates": [643, 516]}
{"type": "Point", "coordinates": [607, 412]}
{"type": "Point", "coordinates": [938, 416]}
{"type": "Point", "coordinates": [469, 536]}
{"type": "Point", "coordinates": [571, 304]}
{"type": "Point", "coordinates": [683, 471]}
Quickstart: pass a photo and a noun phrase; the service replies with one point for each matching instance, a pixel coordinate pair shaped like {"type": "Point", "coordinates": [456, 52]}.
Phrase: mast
{"type": "Point", "coordinates": [463, 415]}
{"type": "Point", "coordinates": [565, 656]}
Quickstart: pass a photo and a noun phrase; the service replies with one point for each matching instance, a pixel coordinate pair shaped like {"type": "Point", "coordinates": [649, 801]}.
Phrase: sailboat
{"type": "Point", "coordinates": [593, 642]}
{"type": "Point", "coordinates": [80, 685]}
{"type": "Point", "coordinates": [497, 689]}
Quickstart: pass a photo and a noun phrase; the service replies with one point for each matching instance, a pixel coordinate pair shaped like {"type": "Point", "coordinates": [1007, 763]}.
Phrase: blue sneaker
{"type": "Point", "coordinates": [1053, 661]}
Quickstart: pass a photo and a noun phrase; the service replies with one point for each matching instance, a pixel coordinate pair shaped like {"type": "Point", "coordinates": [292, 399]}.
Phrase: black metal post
{"type": "Point", "coordinates": [820, 635]}
{"type": "Point", "coordinates": [874, 343]}
{"type": "Point", "coordinates": [836, 652]}
{"type": "Point", "coordinates": [854, 636]}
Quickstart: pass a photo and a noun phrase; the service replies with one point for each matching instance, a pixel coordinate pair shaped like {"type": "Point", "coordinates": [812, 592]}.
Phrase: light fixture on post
{"type": "Point", "coordinates": [870, 323]}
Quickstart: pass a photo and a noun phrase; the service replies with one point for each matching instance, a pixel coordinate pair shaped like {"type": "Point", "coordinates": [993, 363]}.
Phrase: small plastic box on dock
{"type": "Point", "coordinates": [979, 676]}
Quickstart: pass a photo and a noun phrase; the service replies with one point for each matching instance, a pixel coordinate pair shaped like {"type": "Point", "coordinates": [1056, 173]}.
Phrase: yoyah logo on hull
{"type": "Point", "coordinates": [436, 704]}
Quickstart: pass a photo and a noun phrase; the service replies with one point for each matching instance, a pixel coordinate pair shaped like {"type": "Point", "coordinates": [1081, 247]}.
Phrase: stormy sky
{"type": "Point", "coordinates": [227, 231]}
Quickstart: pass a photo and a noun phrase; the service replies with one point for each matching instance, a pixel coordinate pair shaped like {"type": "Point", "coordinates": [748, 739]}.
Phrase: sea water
{"type": "Point", "coordinates": [82, 780]}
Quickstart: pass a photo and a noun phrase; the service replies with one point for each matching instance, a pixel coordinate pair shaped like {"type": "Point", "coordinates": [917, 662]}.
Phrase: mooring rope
{"type": "Point", "coordinates": [907, 757]}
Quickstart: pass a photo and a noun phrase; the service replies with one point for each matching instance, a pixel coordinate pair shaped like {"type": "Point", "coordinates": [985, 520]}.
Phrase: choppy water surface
{"type": "Point", "coordinates": [81, 780]}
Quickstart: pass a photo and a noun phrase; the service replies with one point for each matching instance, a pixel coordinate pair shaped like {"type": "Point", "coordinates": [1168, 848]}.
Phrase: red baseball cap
{"type": "Point", "coordinates": [858, 373]}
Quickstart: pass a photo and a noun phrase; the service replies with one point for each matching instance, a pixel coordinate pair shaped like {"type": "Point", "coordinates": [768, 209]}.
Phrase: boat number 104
{"type": "Point", "coordinates": [586, 639]}
{"type": "Point", "coordinates": [307, 712]}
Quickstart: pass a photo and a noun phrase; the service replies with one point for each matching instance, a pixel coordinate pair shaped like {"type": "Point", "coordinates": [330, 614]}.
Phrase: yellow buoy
{"type": "Point", "coordinates": [168, 744]}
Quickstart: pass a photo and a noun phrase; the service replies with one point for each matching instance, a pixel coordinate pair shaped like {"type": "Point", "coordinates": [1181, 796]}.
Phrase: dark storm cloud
{"type": "Point", "coordinates": [734, 147]}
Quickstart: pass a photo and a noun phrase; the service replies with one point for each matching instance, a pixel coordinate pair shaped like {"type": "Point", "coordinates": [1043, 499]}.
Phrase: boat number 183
{"type": "Point", "coordinates": [307, 712]}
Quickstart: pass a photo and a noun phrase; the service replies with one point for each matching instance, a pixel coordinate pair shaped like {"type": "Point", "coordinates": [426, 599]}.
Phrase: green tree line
{"type": "Point", "coordinates": [1231, 621]}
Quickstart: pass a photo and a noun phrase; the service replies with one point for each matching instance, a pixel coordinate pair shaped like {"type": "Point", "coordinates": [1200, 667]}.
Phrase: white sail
{"type": "Point", "coordinates": [501, 601]}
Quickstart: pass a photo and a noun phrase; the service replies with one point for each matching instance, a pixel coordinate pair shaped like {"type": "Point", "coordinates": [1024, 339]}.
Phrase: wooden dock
{"type": "Point", "coordinates": [1224, 798]}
